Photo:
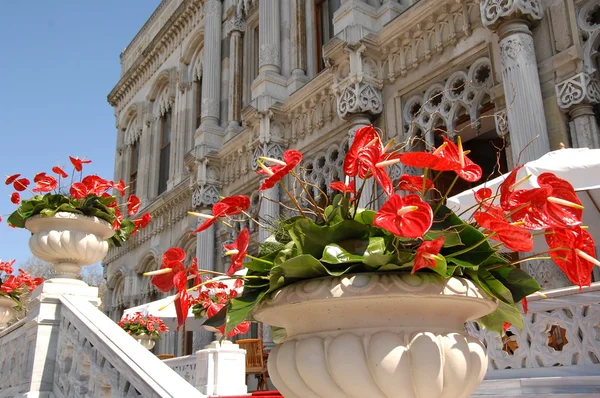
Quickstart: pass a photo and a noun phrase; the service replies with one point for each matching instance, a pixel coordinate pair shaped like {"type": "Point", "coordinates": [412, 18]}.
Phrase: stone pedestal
{"type": "Point", "coordinates": [221, 369]}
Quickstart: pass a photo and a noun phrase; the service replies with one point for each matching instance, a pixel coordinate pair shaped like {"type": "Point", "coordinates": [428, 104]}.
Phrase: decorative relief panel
{"type": "Point", "coordinates": [536, 341]}
{"type": "Point", "coordinates": [463, 93]}
{"type": "Point", "coordinates": [588, 20]}
{"type": "Point", "coordinates": [326, 167]}
{"type": "Point", "coordinates": [580, 88]}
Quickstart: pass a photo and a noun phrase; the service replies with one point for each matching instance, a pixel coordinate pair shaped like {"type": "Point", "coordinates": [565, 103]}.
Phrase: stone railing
{"type": "Point", "coordinates": [184, 367]}
{"type": "Point", "coordinates": [66, 347]}
{"type": "Point", "coordinates": [560, 337]}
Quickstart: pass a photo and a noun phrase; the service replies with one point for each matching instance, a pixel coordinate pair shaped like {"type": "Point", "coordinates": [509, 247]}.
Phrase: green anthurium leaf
{"type": "Point", "coordinates": [270, 245]}
{"type": "Point", "coordinates": [16, 219]}
{"type": "Point", "coordinates": [335, 254]}
{"type": "Point", "coordinates": [286, 253]}
{"type": "Point", "coordinates": [375, 255]}
{"type": "Point", "coordinates": [216, 320]}
{"type": "Point", "coordinates": [311, 238]}
{"type": "Point", "coordinates": [239, 309]}
{"type": "Point", "coordinates": [278, 334]}
{"type": "Point", "coordinates": [258, 266]}
{"type": "Point", "coordinates": [282, 234]}
{"type": "Point", "coordinates": [504, 313]}
{"type": "Point", "coordinates": [394, 267]}
{"type": "Point", "coordinates": [365, 216]}
{"type": "Point", "coordinates": [451, 237]}
{"type": "Point", "coordinates": [441, 267]}
{"type": "Point", "coordinates": [305, 267]}
{"type": "Point", "coordinates": [519, 282]}
{"type": "Point", "coordinates": [490, 285]}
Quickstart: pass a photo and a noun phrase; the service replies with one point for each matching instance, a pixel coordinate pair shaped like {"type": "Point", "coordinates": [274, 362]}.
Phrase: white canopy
{"type": "Point", "coordinates": [579, 166]}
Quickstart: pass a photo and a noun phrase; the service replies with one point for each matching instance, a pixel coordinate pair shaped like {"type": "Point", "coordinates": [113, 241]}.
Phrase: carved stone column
{"type": "Point", "coordinates": [181, 133]}
{"type": "Point", "coordinates": [298, 32]}
{"type": "Point", "coordinates": [270, 36]}
{"type": "Point", "coordinates": [512, 20]}
{"type": "Point", "coordinates": [235, 28]}
{"type": "Point", "coordinates": [211, 82]}
{"type": "Point", "coordinates": [577, 96]}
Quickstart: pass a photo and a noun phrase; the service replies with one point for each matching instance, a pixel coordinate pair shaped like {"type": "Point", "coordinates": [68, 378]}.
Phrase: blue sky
{"type": "Point", "coordinates": [59, 61]}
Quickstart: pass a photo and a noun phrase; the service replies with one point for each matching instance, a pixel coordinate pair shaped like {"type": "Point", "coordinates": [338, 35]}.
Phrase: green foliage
{"type": "Point", "coordinates": [347, 243]}
{"type": "Point", "coordinates": [92, 206]}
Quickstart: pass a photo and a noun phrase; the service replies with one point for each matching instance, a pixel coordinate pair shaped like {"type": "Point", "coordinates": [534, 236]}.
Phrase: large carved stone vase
{"type": "Point", "coordinates": [377, 335]}
{"type": "Point", "coordinates": [69, 241]}
{"type": "Point", "coordinates": [7, 311]}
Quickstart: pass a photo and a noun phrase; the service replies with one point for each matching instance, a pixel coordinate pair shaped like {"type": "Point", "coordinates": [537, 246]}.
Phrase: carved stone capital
{"type": "Point", "coordinates": [205, 195]}
{"type": "Point", "coordinates": [269, 55]}
{"type": "Point", "coordinates": [495, 12]}
{"type": "Point", "coordinates": [212, 8]}
{"type": "Point", "coordinates": [236, 24]}
{"type": "Point", "coordinates": [272, 150]}
{"type": "Point", "coordinates": [581, 88]}
{"type": "Point", "coordinates": [358, 97]}
{"type": "Point", "coordinates": [184, 86]}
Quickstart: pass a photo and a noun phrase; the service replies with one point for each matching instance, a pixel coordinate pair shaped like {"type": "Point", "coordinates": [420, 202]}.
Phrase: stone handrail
{"type": "Point", "coordinates": [94, 356]}
{"type": "Point", "coordinates": [570, 316]}
{"type": "Point", "coordinates": [184, 367]}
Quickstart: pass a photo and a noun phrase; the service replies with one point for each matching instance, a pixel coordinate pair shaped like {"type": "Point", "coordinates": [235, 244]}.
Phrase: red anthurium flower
{"type": "Point", "coordinates": [182, 303]}
{"type": "Point", "coordinates": [78, 190]}
{"type": "Point", "coordinates": [21, 184]}
{"type": "Point", "coordinates": [11, 179]}
{"type": "Point", "coordinates": [174, 254]}
{"type": "Point", "coordinates": [239, 329]}
{"type": "Point", "coordinates": [44, 183]}
{"type": "Point", "coordinates": [482, 196]}
{"type": "Point", "coordinates": [96, 185]}
{"type": "Point", "coordinates": [508, 193]}
{"type": "Point", "coordinates": [291, 158]}
{"type": "Point", "coordinates": [408, 217]}
{"type": "Point", "coordinates": [554, 205]}
{"type": "Point", "coordinates": [15, 198]}
{"type": "Point", "coordinates": [59, 171]}
{"type": "Point", "coordinates": [120, 186]}
{"type": "Point", "coordinates": [355, 162]}
{"type": "Point", "coordinates": [229, 206]}
{"type": "Point", "coordinates": [133, 205]}
{"type": "Point", "coordinates": [574, 251]}
{"type": "Point", "coordinates": [78, 163]}
{"type": "Point", "coordinates": [237, 250]}
{"type": "Point", "coordinates": [428, 254]}
{"type": "Point", "coordinates": [10, 284]}
{"type": "Point", "coordinates": [525, 305]}
{"type": "Point", "coordinates": [513, 237]}
{"type": "Point", "coordinates": [414, 183]}
{"type": "Point", "coordinates": [467, 170]}
{"type": "Point", "coordinates": [141, 222]}
{"type": "Point", "coordinates": [25, 279]}
{"type": "Point", "coordinates": [506, 326]}
{"type": "Point", "coordinates": [429, 160]}
{"type": "Point", "coordinates": [6, 267]}
{"type": "Point", "coordinates": [344, 188]}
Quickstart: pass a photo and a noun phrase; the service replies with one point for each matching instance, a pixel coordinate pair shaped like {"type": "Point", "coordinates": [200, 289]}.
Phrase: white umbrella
{"type": "Point", "coordinates": [579, 166]}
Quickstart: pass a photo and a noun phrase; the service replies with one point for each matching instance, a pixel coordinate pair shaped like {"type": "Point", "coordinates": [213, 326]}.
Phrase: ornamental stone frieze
{"type": "Point", "coordinates": [359, 98]}
{"type": "Point", "coordinates": [206, 189]}
{"type": "Point", "coordinates": [581, 88]}
{"type": "Point", "coordinates": [495, 12]}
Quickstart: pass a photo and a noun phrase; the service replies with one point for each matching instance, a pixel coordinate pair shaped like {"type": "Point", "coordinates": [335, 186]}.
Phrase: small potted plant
{"type": "Point", "coordinates": [73, 222]}
{"type": "Point", "coordinates": [12, 288]}
{"type": "Point", "coordinates": [146, 329]}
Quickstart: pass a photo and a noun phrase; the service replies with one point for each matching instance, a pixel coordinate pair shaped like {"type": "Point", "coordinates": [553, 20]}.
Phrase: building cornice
{"type": "Point", "coordinates": [183, 20]}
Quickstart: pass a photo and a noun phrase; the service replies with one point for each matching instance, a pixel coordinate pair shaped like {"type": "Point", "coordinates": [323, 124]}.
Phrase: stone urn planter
{"type": "Point", "coordinates": [69, 241]}
{"type": "Point", "coordinates": [378, 335]}
{"type": "Point", "coordinates": [6, 310]}
{"type": "Point", "coordinates": [146, 341]}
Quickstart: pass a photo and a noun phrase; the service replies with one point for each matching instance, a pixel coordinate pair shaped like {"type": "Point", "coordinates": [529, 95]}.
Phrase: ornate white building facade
{"type": "Point", "coordinates": [207, 86]}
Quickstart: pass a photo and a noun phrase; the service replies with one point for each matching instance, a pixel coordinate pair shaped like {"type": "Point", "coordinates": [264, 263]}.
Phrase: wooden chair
{"type": "Point", "coordinates": [255, 363]}
{"type": "Point", "coordinates": [165, 356]}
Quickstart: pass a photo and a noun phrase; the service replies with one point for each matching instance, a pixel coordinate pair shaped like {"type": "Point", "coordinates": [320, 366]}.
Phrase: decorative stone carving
{"type": "Point", "coordinates": [212, 8]}
{"type": "Point", "coordinates": [235, 24]}
{"type": "Point", "coordinates": [205, 195]}
{"type": "Point", "coordinates": [324, 168]}
{"type": "Point", "coordinates": [590, 35]}
{"type": "Point", "coordinates": [6, 310]}
{"type": "Point", "coordinates": [336, 346]}
{"type": "Point", "coordinates": [359, 98]}
{"type": "Point", "coordinates": [210, 106]}
{"type": "Point", "coordinates": [146, 341]}
{"type": "Point", "coordinates": [269, 55]}
{"type": "Point", "coordinates": [581, 88]}
{"type": "Point", "coordinates": [464, 92]}
{"type": "Point", "coordinates": [272, 150]}
{"type": "Point", "coordinates": [494, 11]}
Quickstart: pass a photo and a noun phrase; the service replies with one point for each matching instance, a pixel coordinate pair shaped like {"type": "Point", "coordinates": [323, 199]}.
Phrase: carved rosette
{"type": "Point", "coordinates": [338, 346]}
{"type": "Point", "coordinates": [581, 88]}
{"type": "Point", "coordinates": [495, 12]}
{"type": "Point", "coordinates": [359, 98]}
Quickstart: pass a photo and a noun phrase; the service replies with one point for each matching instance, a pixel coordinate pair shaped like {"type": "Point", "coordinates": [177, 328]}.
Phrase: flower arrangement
{"type": "Point", "coordinates": [409, 233]}
{"type": "Point", "coordinates": [89, 196]}
{"type": "Point", "coordinates": [138, 324]}
{"type": "Point", "coordinates": [14, 287]}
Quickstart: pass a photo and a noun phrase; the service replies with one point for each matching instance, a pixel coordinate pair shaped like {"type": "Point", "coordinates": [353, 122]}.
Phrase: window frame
{"type": "Point", "coordinates": [166, 121]}
{"type": "Point", "coordinates": [134, 154]}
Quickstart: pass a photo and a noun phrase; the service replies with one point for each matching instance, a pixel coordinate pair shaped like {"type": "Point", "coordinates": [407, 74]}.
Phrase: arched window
{"type": "Point", "coordinates": [165, 151]}
{"type": "Point", "coordinates": [198, 100]}
{"type": "Point", "coordinates": [134, 156]}
{"type": "Point", "coordinates": [324, 10]}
